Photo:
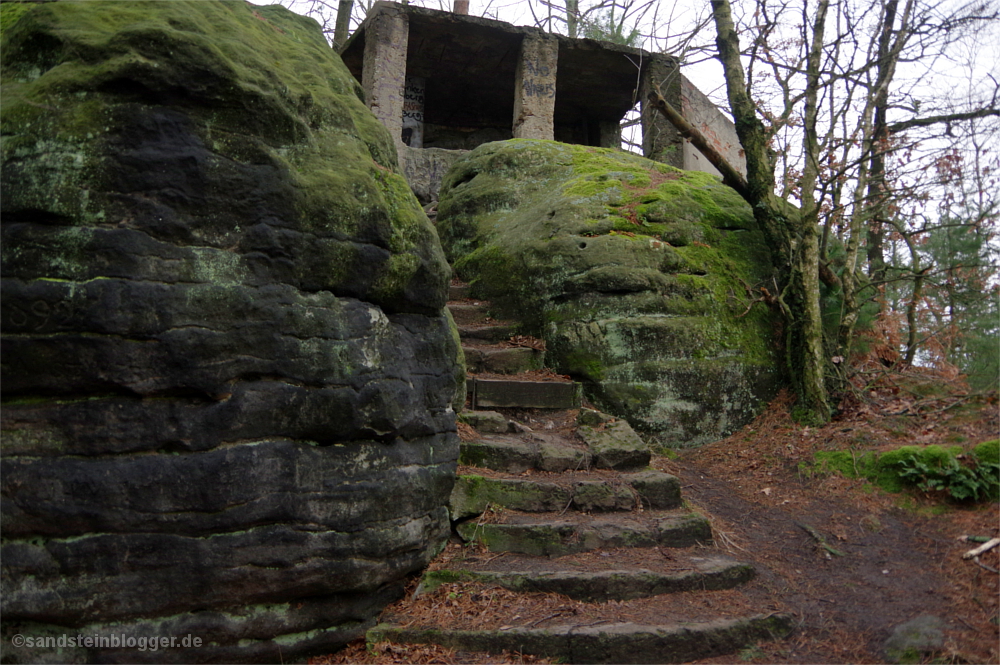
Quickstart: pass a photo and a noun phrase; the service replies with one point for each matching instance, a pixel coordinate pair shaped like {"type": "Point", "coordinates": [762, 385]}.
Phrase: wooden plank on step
{"type": "Point", "coordinates": [527, 394]}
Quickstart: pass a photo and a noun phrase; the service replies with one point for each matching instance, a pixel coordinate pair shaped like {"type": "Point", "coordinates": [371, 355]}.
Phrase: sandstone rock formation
{"type": "Point", "coordinates": [227, 371]}
{"type": "Point", "coordinates": [637, 274]}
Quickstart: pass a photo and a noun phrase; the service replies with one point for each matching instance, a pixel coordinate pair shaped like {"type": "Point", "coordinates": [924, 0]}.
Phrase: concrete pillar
{"type": "Point", "coordinates": [535, 88]}
{"type": "Point", "coordinates": [660, 141]}
{"type": "Point", "coordinates": [384, 74]}
{"type": "Point", "coordinates": [413, 112]}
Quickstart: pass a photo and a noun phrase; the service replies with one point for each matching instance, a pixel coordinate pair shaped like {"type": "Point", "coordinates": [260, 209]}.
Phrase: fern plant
{"type": "Point", "coordinates": [950, 476]}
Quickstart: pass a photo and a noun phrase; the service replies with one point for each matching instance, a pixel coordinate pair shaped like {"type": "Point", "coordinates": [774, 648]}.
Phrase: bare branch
{"type": "Point", "coordinates": [897, 127]}
{"type": "Point", "coordinates": [730, 175]}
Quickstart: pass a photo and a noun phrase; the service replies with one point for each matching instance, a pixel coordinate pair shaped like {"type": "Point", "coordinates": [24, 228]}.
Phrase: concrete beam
{"type": "Point", "coordinates": [384, 74]}
{"type": "Point", "coordinates": [535, 88]}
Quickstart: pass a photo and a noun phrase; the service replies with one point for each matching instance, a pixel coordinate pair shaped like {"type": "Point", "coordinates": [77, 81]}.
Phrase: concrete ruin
{"type": "Point", "coordinates": [444, 83]}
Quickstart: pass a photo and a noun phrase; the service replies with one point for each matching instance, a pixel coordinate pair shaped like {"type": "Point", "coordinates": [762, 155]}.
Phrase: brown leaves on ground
{"type": "Point", "coordinates": [544, 374]}
{"type": "Point", "coordinates": [386, 653]}
{"type": "Point", "coordinates": [524, 341]}
{"type": "Point", "coordinates": [466, 432]}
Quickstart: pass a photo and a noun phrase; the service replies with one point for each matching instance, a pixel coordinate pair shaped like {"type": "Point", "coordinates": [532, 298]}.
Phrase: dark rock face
{"type": "Point", "coordinates": [227, 372]}
{"type": "Point", "coordinates": [636, 274]}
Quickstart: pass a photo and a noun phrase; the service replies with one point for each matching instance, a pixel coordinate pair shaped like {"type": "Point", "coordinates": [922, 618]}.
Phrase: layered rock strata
{"type": "Point", "coordinates": [227, 370]}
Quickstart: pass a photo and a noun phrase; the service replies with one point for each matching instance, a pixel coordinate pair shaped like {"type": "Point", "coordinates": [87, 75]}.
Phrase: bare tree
{"type": "Point", "coordinates": [815, 106]}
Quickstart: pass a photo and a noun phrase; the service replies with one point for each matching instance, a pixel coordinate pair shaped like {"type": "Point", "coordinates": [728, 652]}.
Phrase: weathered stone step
{"type": "Point", "coordinates": [543, 535]}
{"type": "Point", "coordinates": [502, 360]}
{"type": "Point", "coordinates": [485, 333]}
{"type": "Point", "coordinates": [604, 643]}
{"type": "Point", "coordinates": [501, 393]}
{"type": "Point", "coordinates": [458, 291]}
{"type": "Point", "coordinates": [582, 491]}
{"type": "Point", "coordinates": [612, 446]}
{"type": "Point", "coordinates": [471, 313]}
{"type": "Point", "coordinates": [517, 454]}
{"type": "Point", "coordinates": [709, 573]}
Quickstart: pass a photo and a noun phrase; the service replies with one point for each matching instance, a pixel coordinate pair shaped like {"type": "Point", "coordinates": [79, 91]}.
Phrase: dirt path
{"type": "Point", "coordinates": [902, 557]}
{"type": "Point", "coordinates": [846, 605]}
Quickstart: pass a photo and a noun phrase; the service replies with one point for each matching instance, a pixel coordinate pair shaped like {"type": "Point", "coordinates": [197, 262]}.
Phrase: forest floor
{"type": "Point", "coordinates": [901, 553]}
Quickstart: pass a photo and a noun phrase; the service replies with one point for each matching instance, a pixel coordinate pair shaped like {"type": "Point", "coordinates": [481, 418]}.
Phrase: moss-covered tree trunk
{"type": "Point", "coordinates": [793, 235]}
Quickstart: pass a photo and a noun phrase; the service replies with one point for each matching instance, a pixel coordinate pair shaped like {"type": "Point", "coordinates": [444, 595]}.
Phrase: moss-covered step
{"type": "Point", "coordinates": [502, 360]}
{"type": "Point", "coordinates": [486, 421]}
{"type": "Point", "coordinates": [502, 393]}
{"type": "Point", "coordinates": [541, 535]}
{"type": "Point", "coordinates": [604, 643]}
{"type": "Point", "coordinates": [615, 445]}
{"type": "Point", "coordinates": [704, 573]}
{"type": "Point", "coordinates": [514, 455]}
{"type": "Point", "coordinates": [580, 491]}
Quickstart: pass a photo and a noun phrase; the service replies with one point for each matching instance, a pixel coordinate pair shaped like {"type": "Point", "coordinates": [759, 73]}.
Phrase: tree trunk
{"type": "Point", "coordinates": [877, 194]}
{"type": "Point", "coordinates": [911, 318]}
{"type": "Point", "coordinates": [343, 26]}
{"type": "Point", "coordinates": [805, 276]}
{"type": "Point", "coordinates": [793, 236]}
{"type": "Point", "coordinates": [572, 17]}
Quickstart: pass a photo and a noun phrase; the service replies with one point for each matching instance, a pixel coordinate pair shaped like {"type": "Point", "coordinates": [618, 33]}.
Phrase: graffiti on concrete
{"type": "Point", "coordinates": [533, 88]}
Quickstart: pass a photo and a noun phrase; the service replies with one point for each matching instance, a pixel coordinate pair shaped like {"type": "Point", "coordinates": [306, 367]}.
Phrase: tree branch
{"type": "Point", "coordinates": [730, 175]}
{"type": "Point", "coordinates": [934, 119]}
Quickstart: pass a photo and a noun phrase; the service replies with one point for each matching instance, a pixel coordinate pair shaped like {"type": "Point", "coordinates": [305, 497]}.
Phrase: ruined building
{"type": "Point", "coordinates": [443, 83]}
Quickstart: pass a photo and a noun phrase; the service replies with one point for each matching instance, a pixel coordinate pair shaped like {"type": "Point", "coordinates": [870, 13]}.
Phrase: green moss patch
{"type": "Point", "coordinates": [249, 89]}
{"type": "Point", "coordinates": [593, 248]}
{"type": "Point", "coordinates": [947, 471]}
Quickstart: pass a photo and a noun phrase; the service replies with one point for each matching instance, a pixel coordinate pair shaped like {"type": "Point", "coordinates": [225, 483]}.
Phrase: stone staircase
{"type": "Point", "coordinates": [504, 367]}
{"type": "Point", "coordinates": [564, 502]}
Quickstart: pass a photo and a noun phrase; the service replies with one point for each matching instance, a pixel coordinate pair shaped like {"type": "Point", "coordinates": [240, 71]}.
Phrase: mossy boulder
{"type": "Point", "coordinates": [227, 370]}
{"type": "Point", "coordinates": [636, 273]}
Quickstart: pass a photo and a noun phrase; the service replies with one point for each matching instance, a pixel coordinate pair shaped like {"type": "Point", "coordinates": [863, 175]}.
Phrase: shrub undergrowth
{"type": "Point", "coordinates": [950, 472]}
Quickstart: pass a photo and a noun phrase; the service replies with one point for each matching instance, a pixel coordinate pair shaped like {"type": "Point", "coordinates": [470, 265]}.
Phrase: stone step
{"type": "Point", "coordinates": [487, 421]}
{"type": "Point", "coordinates": [502, 360]}
{"type": "Point", "coordinates": [471, 313]}
{"type": "Point", "coordinates": [603, 643]}
{"type": "Point", "coordinates": [486, 333]}
{"type": "Point", "coordinates": [543, 535]}
{"type": "Point", "coordinates": [517, 454]}
{"type": "Point", "coordinates": [612, 446]}
{"type": "Point", "coordinates": [458, 291]}
{"type": "Point", "coordinates": [691, 573]}
{"type": "Point", "coordinates": [581, 491]}
{"type": "Point", "coordinates": [503, 393]}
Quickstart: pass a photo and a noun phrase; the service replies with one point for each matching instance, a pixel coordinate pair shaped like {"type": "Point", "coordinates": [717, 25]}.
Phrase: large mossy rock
{"type": "Point", "coordinates": [637, 275]}
{"type": "Point", "coordinates": [227, 371]}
